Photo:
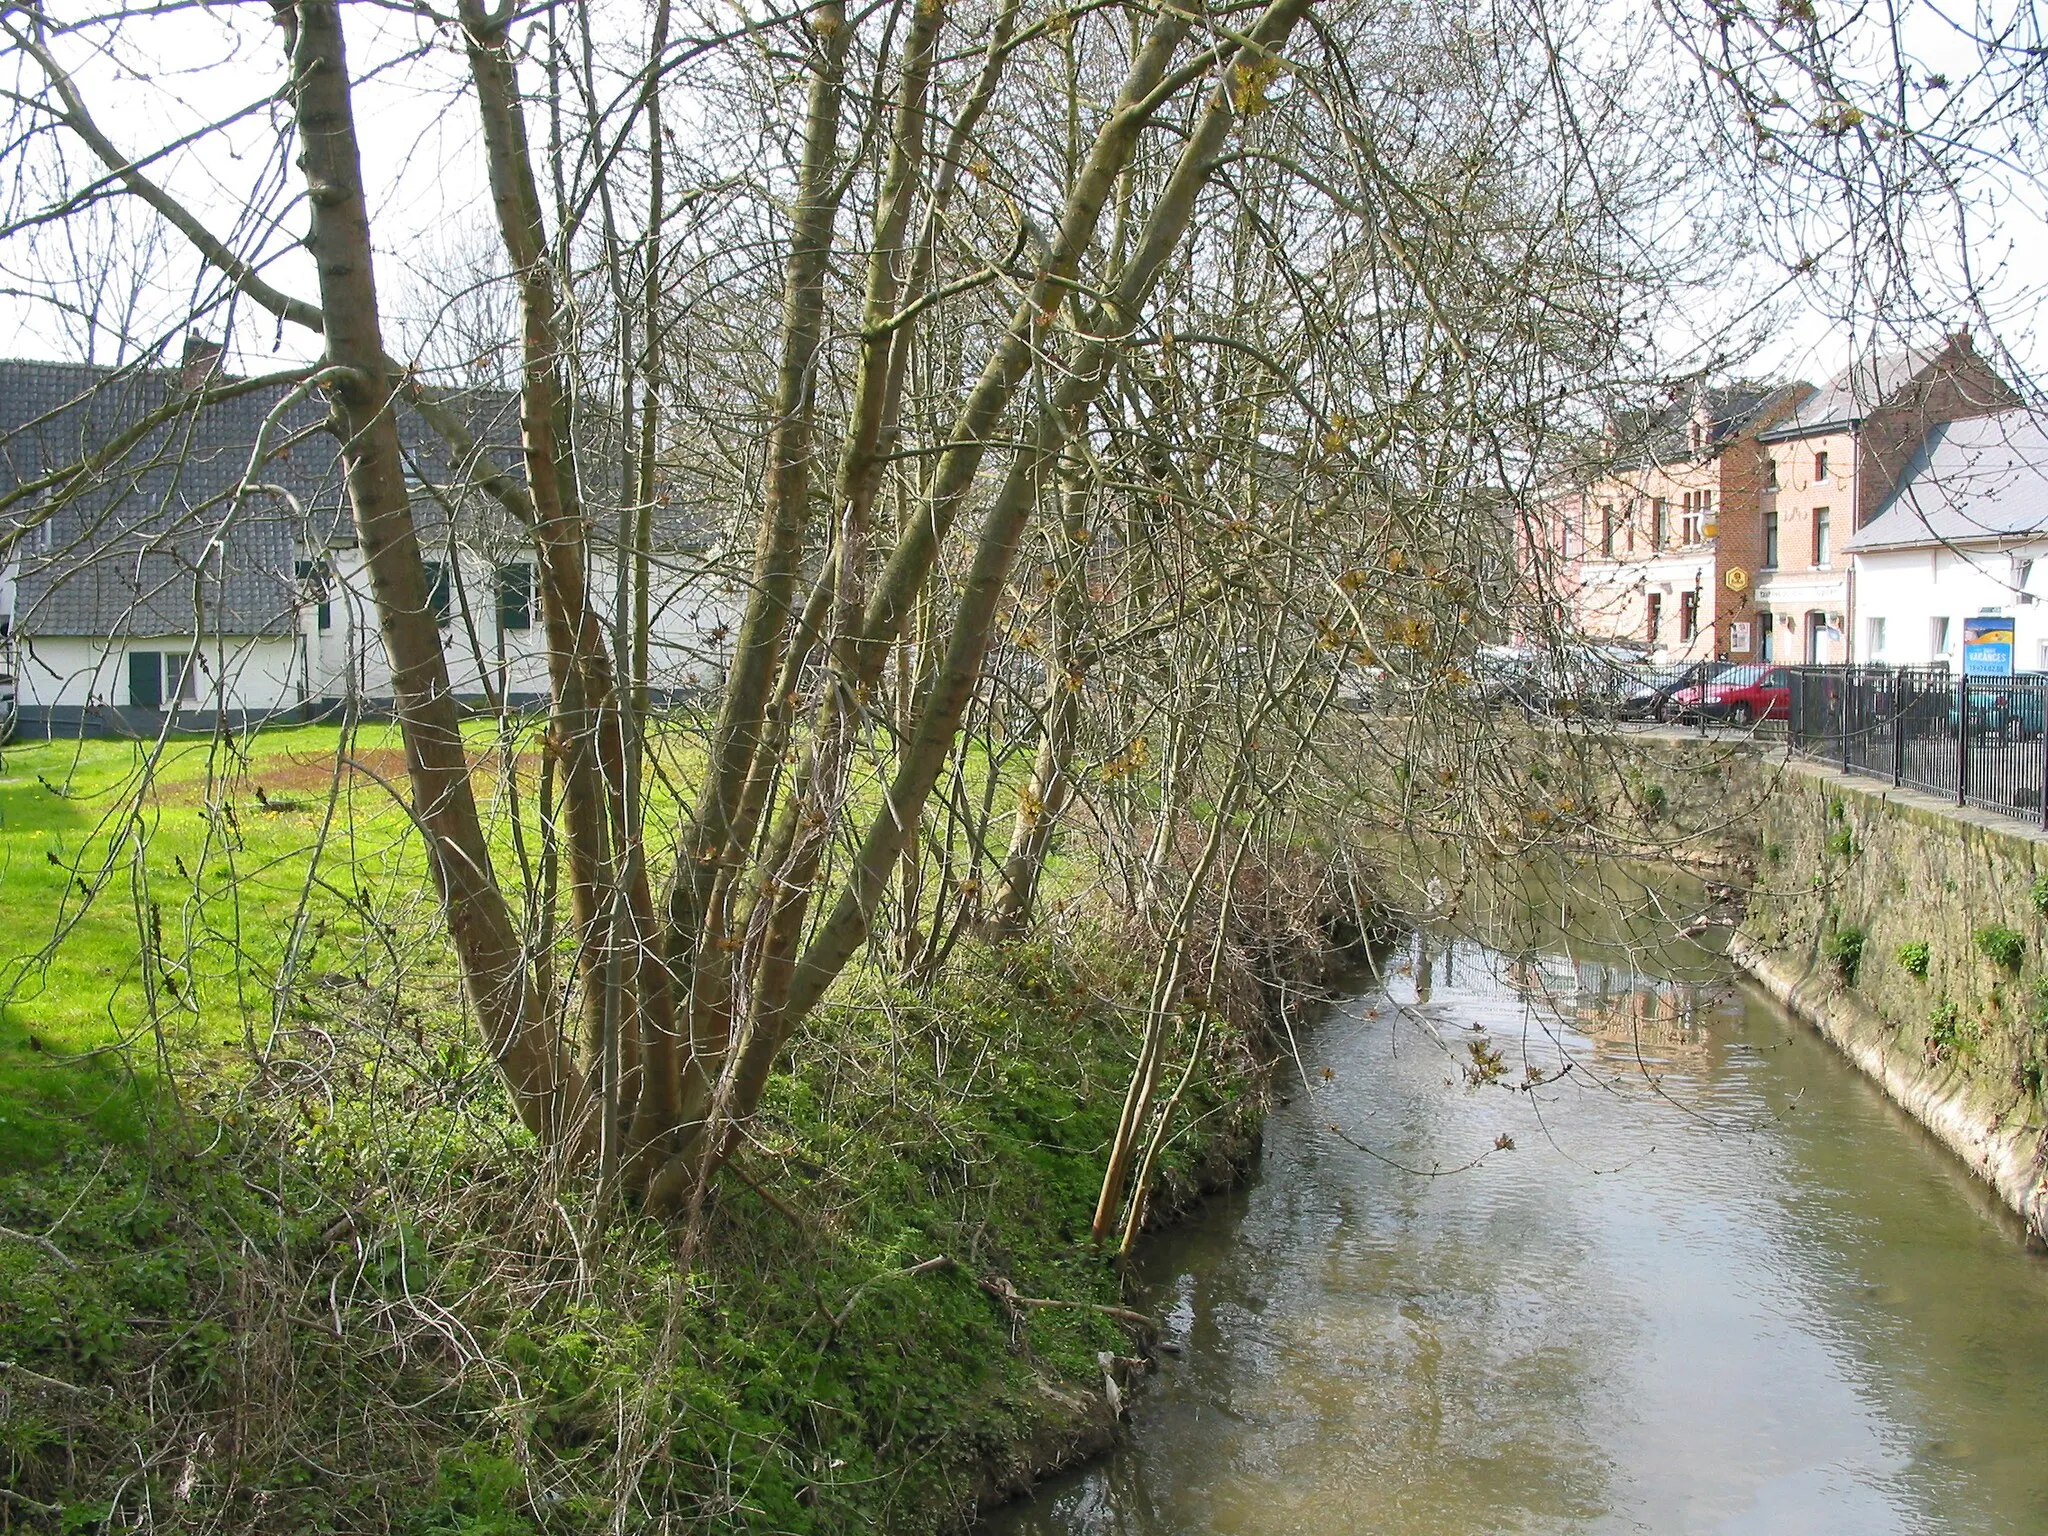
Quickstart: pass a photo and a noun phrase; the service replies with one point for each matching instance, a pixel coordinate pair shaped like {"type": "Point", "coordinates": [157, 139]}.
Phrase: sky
{"type": "Point", "coordinates": [158, 81]}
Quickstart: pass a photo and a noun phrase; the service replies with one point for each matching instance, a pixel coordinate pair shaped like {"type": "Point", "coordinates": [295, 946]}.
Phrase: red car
{"type": "Point", "coordinates": [1739, 696]}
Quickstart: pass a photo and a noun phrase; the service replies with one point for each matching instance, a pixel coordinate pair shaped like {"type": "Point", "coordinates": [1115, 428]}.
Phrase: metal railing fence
{"type": "Point", "coordinates": [1972, 739]}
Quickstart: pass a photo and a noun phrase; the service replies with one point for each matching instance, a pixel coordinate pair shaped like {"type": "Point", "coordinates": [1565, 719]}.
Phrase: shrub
{"type": "Point", "coordinates": [1844, 950]}
{"type": "Point", "coordinates": [2002, 946]}
{"type": "Point", "coordinates": [2039, 892]}
{"type": "Point", "coordinates": [1914, 957]}
{"type": "Point", "coordinates": [1654, 799]}
{"type": "Point", "coordinates": [1841, 842]}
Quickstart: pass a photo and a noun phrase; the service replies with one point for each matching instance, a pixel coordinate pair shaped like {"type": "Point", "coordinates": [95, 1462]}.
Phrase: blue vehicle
{"type": "Point", "coordinates": [2009, 714]}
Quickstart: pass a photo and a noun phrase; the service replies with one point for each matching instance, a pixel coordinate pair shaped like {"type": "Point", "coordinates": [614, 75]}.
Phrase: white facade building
{"type": "Point", "coordinates": [1965, 536]}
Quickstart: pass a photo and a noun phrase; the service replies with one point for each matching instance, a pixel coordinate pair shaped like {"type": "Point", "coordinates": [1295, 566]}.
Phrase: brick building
{"type": "Point", "coordinates": [1646, 552]}
{"type": "Point", "coordinates": [1829, 466]}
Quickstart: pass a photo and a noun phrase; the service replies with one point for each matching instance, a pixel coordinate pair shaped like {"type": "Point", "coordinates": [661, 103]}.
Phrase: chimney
{"type": "Point", "coordinates": [1700, 430]}
{"type": "Point", "coordinates": [200, 362]}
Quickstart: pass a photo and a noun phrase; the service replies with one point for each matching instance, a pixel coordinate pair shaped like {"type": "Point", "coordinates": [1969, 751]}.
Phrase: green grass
{"type": "Point", "coordinates": [149, 900]}
{"type": "Point", "coordinates": [294, 1210]}
{"type": "Point", "coordinates": [384, 1286]}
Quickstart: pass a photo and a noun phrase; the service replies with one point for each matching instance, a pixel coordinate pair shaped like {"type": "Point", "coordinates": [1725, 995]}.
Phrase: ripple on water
{"type": "Point", "coordinates": [1717, 1286]}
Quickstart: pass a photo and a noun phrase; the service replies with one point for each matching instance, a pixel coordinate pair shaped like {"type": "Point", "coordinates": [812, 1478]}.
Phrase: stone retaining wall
{"type": "Point", "coordinates": [1964, 1047]}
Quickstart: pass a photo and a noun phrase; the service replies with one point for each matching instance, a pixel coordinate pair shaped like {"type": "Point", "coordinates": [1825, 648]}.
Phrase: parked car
{"type": "Point", "coordinates": [1739, 696]}
{"type": "Point", "coordinates": [2002, 714]}
{"type": "Point", "coordinates": [1650, 697]}
{"type": "Point", "coordinates": [1504, 674]}
{"type": "Point", "coordinates": [10, 708]}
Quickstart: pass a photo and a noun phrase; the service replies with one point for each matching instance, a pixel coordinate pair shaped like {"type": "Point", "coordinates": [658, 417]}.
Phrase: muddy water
{"type": "Point", "coordinates": [1709, 1280]}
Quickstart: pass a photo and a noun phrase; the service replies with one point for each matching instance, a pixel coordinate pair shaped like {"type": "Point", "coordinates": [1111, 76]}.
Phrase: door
{"type": "Point", "coordinates": [145, 680]}
{"type": "Point", "coordinates": [1816, 624]}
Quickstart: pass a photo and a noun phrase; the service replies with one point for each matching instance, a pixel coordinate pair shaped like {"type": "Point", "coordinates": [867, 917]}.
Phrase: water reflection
{"type": "Point", "coordinates": [1717, 1285]}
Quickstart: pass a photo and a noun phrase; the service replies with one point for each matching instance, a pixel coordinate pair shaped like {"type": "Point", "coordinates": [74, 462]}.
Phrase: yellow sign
{"type": "Point", "coordinates": [1737, 579]}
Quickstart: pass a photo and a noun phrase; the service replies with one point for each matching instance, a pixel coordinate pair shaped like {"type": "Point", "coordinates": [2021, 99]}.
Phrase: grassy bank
{"type": "Point", "coordinates": [286, 1262]}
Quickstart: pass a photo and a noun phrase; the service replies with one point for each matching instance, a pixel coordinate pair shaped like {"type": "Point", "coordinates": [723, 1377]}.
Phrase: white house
{"type": "Point", "coordinates": [178, 585]}
{"type": "Point", "coordinates": [1964, 536]}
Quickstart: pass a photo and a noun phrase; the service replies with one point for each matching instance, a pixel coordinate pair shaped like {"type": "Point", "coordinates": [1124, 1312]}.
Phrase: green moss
{"type": "Point", "coordinates": [2038, 894]}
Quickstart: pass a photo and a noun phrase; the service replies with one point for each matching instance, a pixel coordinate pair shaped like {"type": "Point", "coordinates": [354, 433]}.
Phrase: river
{"type": "Point", "coordinates": [1692, 1273]}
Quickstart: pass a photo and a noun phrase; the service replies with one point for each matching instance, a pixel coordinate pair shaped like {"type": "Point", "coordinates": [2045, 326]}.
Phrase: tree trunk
{"type": "Point", "coordinates": [546, 1087]}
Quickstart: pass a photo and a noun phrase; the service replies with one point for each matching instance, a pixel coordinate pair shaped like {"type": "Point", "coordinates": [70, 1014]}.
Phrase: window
{"type": "Point", "coordinates": [1770, 473]}
{"type": "Point", "coordinates": [437, 591]}
{"type": "Point", "coordinates": [1690, 519]}
{"type": "Point", "coordinates": [312, 576]}
{"type": "Point", "coordinates": [1688, 615]}
{"type": "Point", "coordinates": [515, 596]}
{"type": "Point", "coordinates": [1820, 468]}
{"type": "Point", "coordinates": [1820, 538]}
{"type": "Point", "coordinates": [1770, 541]}
{"type": "Point", "coordinates": [1937, 637]}
{"type": "Point", "coordinates": [1874, 635]}
{"type": "Point", "coordinates": [1660, 522]}
{"type": "Point", "coordinates": [2022, 572]}
{"type": "Point", "coordinates": [150, 671]}
{"type": "Point", "coordinates": [1606, 530]}
{"type": "Point", "coordinates": [1656, 606]}
{"type": "Point", "coordinates": [39, 538]}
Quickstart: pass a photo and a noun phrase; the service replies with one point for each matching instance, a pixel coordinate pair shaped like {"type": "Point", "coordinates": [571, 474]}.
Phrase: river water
{"type": "Point", "coordinates": [1717, 1283]}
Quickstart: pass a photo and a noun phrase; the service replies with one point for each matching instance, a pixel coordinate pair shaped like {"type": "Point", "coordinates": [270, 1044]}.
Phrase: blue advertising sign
{"type": "Point", "coordinates": [1987, 645]}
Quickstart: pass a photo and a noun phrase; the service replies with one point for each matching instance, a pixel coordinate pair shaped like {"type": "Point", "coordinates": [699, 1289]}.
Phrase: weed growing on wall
{"type": "Point", "coordinates": [1947, 1032]}
{"type": "Point", "coordinates": [1844, 951]}
{"type": "Point", "coordinates": [2038, 892]}
{"type": "Point", "coordinates": [1914, 958]}
{"type": "Point", "coordinates": [2003, 947]}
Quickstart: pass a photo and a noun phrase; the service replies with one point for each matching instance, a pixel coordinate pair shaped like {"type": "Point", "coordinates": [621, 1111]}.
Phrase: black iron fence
{"type": "Point", "coordinates": [1971, 739]}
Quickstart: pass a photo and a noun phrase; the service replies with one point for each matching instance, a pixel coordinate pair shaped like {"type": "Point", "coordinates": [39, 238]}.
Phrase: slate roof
{"type": "Point", "coordinates": [1855, 392]}
{"type": "Point", "coordinates": [1971, 481]}
{"type": "Point", "coordinates": [152, 540]}
{"type": "Point", "coordinates": [1664, 434]}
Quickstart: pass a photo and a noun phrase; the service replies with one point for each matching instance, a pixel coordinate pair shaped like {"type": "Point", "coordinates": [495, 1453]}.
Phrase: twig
{"type": "Point", "coordinates": [999, 1287]}
{"type": "Point", "coordinates": [731, 1165]}
{"type": "Point", "coordinates": [927, 1266]}
{"type": "Point", "coordinates": [43, 1243]}
{"type": "Point", "coordinates": [18, 1369]}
